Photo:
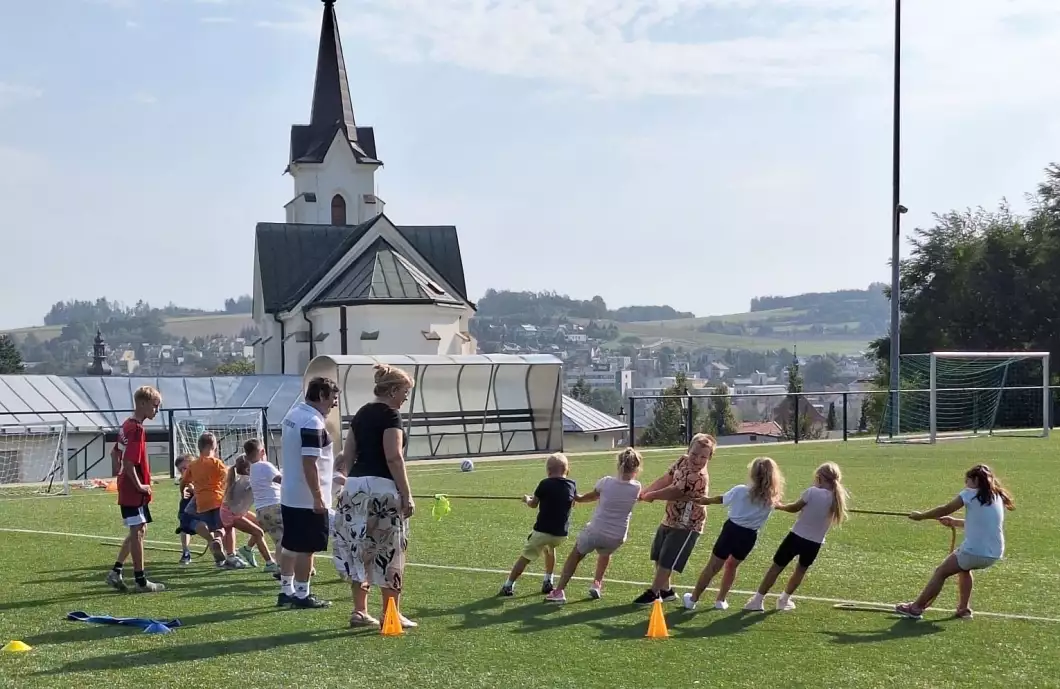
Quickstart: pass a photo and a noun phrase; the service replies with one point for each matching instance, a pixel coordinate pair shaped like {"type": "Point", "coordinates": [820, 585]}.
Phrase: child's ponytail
{"type": "Point", "coordinates": [988, 486]}
{"type": "Point", "coordinates": [829, 474]}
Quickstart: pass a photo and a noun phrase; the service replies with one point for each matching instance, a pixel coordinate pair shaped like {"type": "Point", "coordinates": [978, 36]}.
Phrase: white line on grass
{"type": "Point", "coordinates": [884, 607]}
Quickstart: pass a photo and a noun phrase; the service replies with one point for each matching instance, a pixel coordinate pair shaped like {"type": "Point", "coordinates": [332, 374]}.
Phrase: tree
{"type": "Point", "coordinates": [722, 419]}
{"type": "Point", "coordinates": [863, 422]}
{"type": "Point", "coordinates": [581, 391]}
{"type": "Point", "coordinates": [821, 373]}
{"type": "Point", "coordinates": [10, 357]}
{"type": "Point", "coordinates": [236, 367]}
{"type": "Point", "coordinates": [786, 412]}
{"type": "Point", "coordinates": [667, 427]}
{"type": "Point", "coordinates": [607, 400]}
{"type": "Point", "coordinates": [831, 421]}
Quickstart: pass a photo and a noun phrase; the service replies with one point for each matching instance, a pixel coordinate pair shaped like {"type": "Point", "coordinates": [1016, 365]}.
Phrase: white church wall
{"type": "Point", "coordinates": [340, 173]}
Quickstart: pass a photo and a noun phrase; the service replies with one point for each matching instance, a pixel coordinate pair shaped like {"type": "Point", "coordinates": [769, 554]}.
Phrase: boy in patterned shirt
{"type": "Point", "coordinates": [683, 483]}
{"type": "Point", "coordinates": [134, 490]}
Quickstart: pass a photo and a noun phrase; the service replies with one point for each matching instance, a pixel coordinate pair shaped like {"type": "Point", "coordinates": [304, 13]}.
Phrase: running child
{"type": "Point", "coordinates": [186, 527]}
{"type": "Point", "coordinates": [749, 506]}
{"type": "Point", "coordinates": [207, 475]}
{"type": "Point", "coordinates": [819, 507]}
{"type": "Point", "coordinates": [984, 500]}
{"type": "Point", "coordinates": [553, 498]}
{"type": "Point", "coordinates": [236, 516]}
{"type": "Point", "coordinates": [686, 481]}
{"type": "Point", "coordinates": [607, 528]}
{"type": "Point", "coordinates": [134, 490]}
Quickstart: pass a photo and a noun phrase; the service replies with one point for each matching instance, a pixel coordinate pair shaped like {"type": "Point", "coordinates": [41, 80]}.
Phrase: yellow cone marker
{"type": "Point", "coordinates": [16, 647]}
{"type": "Point", "coordinates": [391, 621]}
{"type": "Point", "coordinates": [657, 622]}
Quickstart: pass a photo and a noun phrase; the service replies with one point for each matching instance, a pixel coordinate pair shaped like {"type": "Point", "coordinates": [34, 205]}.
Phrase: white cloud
{"type": "Point", "coordinates": [12, 94]}
{"type": "Point", "coordinates": [130, 24]}
{"type": "Point", "coordinates": [630, 48]}
{"type": "Point", "coordinates": [216, 20]}
{"type": "Point", "coordinates": [145, 99]}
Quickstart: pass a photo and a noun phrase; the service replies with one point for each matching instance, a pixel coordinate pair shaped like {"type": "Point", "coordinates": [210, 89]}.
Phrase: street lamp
{"type": "Point", "coordinates": [897, 209]}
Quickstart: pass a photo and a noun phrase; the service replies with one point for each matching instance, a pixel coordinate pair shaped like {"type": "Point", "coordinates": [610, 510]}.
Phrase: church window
{"type": "Point", "coordinates": [338, 210]}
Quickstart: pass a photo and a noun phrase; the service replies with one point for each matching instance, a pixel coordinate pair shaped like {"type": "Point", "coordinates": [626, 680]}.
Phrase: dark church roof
{"type": "Point", "coordinates": [293, 258]}
{"type": "Point", "coordinates": [332, 107]}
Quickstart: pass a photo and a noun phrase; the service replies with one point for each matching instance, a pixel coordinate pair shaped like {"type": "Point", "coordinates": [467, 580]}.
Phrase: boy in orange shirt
{"type": "Point", "coordinates": [207, 475]}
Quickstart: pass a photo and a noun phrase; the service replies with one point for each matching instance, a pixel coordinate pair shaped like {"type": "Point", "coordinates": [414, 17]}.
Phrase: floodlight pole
{"type": "Point", "coordinates": [896, 211]}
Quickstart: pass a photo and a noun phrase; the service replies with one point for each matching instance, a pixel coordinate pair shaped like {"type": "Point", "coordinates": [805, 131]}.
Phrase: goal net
{"type": "Point", "coordinates": [946, 395]}
{"type": "Point", "coordinates": [33, 461]}
{"type": "Point", "coordinates": [232, 428]}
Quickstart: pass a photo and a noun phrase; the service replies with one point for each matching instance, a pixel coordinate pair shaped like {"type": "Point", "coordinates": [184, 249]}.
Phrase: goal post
{"type": "Point", "coordinates": [33, 460]}
{"type": "Point", "coordinates": [231, 427]}
{"type": "Point", "coordinates": [968, 394]}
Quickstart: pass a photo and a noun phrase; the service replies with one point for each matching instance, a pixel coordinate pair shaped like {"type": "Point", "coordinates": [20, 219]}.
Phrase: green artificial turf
{"type": "Point", "coordinates": [233, 635]}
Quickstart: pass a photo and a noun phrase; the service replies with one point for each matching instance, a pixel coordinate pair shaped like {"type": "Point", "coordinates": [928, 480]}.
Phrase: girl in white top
{"type": "Point", "coordinates": [607, 528]}
{"type": "Point", "coordinates": [820, 506]}
{"type": "Point", "coordinates": [236, 515]}
{"type": "Point", "coordinates": [749, 506]}
{"type": "Point", "coordinates": [984, 500]}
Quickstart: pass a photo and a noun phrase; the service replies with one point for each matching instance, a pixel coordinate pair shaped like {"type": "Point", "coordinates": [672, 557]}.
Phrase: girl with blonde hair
{"type": "Point", "coordinates": [371, 521]}
{"type": "Point", "coordinates": [819, 507]}
{"type": "Point", "coordinates": [609, 525]}
{"type": "Point", "coordinates": [749, 506]}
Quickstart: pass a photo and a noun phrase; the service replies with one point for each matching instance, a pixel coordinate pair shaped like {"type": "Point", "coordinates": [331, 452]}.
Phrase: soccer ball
{"type": "Point", "coordinates": [467, 465]}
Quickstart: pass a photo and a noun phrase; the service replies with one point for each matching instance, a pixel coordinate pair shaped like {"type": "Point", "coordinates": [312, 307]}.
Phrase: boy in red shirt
{"type": "Point", "coordinates": [134, 489]}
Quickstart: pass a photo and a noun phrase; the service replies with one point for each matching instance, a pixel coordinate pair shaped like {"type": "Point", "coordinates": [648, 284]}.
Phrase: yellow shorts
{"type": "Point", "coordinates": [537, 543]}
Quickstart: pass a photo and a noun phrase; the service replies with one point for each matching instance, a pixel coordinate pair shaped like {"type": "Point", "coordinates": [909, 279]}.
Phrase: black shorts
{"type": "Point", "coordinates": [734, 541]}
{"type": "Point", "coordinates": [211, 518]}
{"type": "Point", "coordinates": [135, 516]}
{"type": "Point", "coordinates": [671, 547]}
{"type": "Point", "coordinates": [304, 531]}
{"type": "Point", "coordinates": [793, 545]}
{"type": "Point", "coordinates": [185, 520]}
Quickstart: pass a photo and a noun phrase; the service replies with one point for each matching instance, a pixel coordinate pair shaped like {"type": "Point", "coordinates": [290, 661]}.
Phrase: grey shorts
{"type": "Point", "coordinates": [968, 562]}
{"type": "Point", "coordinates": [671, 547]}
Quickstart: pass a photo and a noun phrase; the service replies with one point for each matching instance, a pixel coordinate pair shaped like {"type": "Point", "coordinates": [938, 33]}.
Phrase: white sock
{"type": "Point", "coordinates": [757, 596]}
{"type": "Point", "coordinates": [301, 589]}
{"type": "Point", "coordinates": [783, 597]}
{"type": "Point", "coordinates": [287, 584]}
{"type": "Point", "coordinates": [508, 583]}
{"type": "Point", "coordinates": [548, 578]}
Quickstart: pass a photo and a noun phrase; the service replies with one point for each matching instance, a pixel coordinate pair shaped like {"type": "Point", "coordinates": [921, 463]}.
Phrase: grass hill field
{"type": "Point", "coordinates": [226, 324]}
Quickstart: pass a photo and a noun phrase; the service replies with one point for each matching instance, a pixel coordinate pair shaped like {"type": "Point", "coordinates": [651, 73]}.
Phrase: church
{"type": "Point", "coordinates": [339, 277]}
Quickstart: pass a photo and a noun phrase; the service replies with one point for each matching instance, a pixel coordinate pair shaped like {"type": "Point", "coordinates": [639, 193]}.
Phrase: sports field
{"type": "Point", "coordinates": [233, 635]}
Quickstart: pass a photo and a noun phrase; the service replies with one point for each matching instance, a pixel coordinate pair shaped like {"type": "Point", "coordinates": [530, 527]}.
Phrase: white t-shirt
{"type": "Point", "coordinates": [266, 491]}
{"type": "Point", "coordinates": [816, 517]}
{"type": "Point", "coordinates": [984, 533]}
{"type": "Point", "coordinates": [611, 517]}
{"type": "Point", "coordinates": [743, 511]}
{"type": "Point", "coordinates": [304, 434]}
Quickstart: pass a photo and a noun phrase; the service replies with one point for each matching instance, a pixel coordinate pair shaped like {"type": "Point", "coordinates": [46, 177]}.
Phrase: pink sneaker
{"type": "Point", "coordinates": [909, 610]}
{"type": "Point", "coordinates": [556, 596]}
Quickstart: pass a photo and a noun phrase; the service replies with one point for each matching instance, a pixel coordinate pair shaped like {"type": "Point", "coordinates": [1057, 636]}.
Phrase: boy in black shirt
{"type": "Point", "coordinates": [554, 497]}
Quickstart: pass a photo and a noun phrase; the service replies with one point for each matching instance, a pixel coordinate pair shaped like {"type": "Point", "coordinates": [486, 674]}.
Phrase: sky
{"type": "Point", "coordinates": [695, 153]}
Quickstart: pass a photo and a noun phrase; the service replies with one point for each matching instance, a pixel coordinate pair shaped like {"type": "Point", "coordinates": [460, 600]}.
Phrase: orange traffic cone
{"type": "Point", "coordinates": [657, 622]}
{"type": "Point", "coordinates": [391, 621]}
{"type": "Point", "coordinates": [112, 486]}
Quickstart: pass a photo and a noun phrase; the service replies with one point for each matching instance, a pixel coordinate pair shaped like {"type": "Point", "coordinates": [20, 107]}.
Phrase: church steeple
{"type": "Point", "coordinates": [331, 91]}
{"type": "Point", "coordinates": [99, 365]}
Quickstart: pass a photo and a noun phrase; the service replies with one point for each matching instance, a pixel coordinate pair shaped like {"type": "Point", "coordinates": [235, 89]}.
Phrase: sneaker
{"type": "Point", "coordinates": [721, 605]}
{"type": "Point", "coordinates": [309, 601]}
{"type": "Point", "coordinates": [406, 623]}
{"type": "Point", "coordinates": [272, 568]}
{"type": "Point", "coordinates": [689, 602]}
{"type": "Point", "coordinates": [115, 581]}
{"type": "Point", "coordinates": [785, 604]}
{"type": "Point", "coordinates": [185, 558]}
{"type": "Point", "coordinates": [964, 614]}
{"type": "Point", "coordinates": [547, 587]}
{"type": "Point", "coordinates": [248, 556]}
{"type": "Point", "coordinates": [909, 610]}
{"type": "Point", "coordinates": [283, 600]}
{"type": "Point", "coordinates": [556, 596]}
{"type": "Point", "coordinates": [756, 604]}
{"type": "Point", "coordinates": [149, 587]}
{"type": "Point", "coordinates": [362, 619]}
{"type": "Point", "coordinates": [234, 562]}
{"type": "Point", "coordinates": [596, 590]}
{"type": "Point", "coordinates": [506, 591]}
{"type": "Point", "coordinates": [646, 598]}
{"type": "Point", "coordinates": [668, 595]}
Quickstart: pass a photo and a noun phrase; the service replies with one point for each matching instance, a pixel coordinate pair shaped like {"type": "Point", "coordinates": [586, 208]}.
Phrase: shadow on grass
{"type": "Point", "coordinates": [196, 651]}
{"type": "Point", "coordinates": [81, 631]}
{"type": "Point", "coordinates": [901, 629]}
{"type": "Point", "coordinates": [726, 623]}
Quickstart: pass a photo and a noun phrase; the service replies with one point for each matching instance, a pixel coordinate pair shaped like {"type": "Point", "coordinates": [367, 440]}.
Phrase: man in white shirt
{"type": "Point", "coordinates": [308, 463]}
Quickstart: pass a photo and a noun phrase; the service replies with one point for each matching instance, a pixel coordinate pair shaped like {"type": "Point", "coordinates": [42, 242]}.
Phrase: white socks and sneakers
{"type": "Point", "coordinates": [757, 603]}
{"type": "Point", "coordinates": [690, 604]}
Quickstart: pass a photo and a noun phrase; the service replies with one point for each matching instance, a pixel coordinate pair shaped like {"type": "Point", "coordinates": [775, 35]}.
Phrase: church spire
{"type": "Point", "coordinates": [331, 92]}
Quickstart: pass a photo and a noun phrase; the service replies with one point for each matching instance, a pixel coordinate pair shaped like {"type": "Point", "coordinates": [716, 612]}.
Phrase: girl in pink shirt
{"type": "Point", "coordinates": [607, 528]}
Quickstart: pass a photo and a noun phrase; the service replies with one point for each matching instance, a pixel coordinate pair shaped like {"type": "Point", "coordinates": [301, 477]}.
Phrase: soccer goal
{"type": "Point", "coordinates": [948, 395]}
{"type": "Point", "coordinates": [232, 428]}
{"type": "Point", "coordinates": [33, 461]}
